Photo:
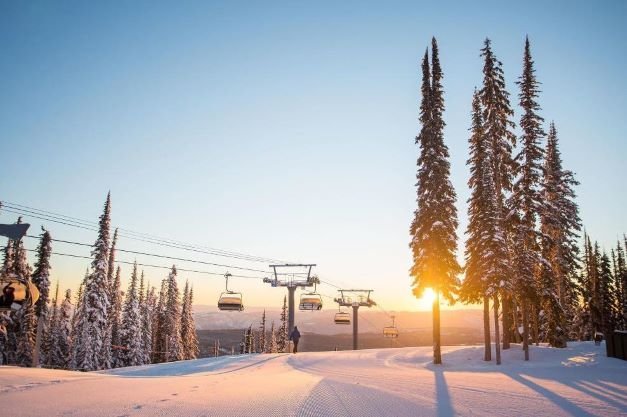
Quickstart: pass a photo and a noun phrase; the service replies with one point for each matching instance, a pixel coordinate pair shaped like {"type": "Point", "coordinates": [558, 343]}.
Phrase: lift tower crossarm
{"type": "Point", "coordinates": [362, 301]}
{"type": "Point", "coordinates": [292, 283]}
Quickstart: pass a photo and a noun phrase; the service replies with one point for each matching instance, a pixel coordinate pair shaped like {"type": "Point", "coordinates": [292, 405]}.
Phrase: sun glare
{"type": "Point", "coordinates": [426, 301]}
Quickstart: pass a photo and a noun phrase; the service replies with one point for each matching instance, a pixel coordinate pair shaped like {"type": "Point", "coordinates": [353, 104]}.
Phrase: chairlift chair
{"type": "Point", "coordinates": [342, 317]}
{"type": "Point", "coordinates": [311, 301]}
{"type": "Point", "coordinates": [230, 300]}
{"type": "Point", "coordinates": [17, 293]}
{"type": "Point", "coordinates": [390, 331]}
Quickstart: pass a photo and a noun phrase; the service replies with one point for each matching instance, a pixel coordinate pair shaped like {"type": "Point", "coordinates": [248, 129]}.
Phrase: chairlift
{"type": "Point", "coordinates": [17, 293]}
{"type": "Point", "coordinates": [342, 317]}
{"type": "Point", "coordinates": [230, 300]}
{"type": "Point", "coordinates": [311, 301]}
{"type": "Point", "coordinates": [390, 331]}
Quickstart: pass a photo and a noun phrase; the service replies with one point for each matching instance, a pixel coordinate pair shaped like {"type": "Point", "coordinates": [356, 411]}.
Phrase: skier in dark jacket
{"type": "Point", "coordinates": [295, 337]}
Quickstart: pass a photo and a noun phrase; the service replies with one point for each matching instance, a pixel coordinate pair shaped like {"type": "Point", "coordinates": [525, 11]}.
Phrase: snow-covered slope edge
{"type": "Point", "coordinates": [578, 380]}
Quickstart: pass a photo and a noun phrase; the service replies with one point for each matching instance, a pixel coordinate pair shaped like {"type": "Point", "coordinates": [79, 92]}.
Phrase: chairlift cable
{"type": "Point", "coordinates": [40, 212]}
{"type": "Point", "coordinates": [158, 256]}
{"type": "Point", "coordinates": [151, 265]}
{"type": "Point", "coordinates": [143, 237]}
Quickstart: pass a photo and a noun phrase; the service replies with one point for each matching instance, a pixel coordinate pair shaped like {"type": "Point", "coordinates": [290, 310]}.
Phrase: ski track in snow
{"type": "Point", "coordinates": [578, 381]}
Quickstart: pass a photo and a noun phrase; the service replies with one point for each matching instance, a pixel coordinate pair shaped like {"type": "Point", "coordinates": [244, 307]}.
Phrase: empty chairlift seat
{"type": "Point", "coordinates": [390, 332]}
{"type": "Point", "coordinates": [310, 302]}
{"type": "Point", "coordinates": [342, 318]}
{"type": "Point", "coordinates": [230, 302]}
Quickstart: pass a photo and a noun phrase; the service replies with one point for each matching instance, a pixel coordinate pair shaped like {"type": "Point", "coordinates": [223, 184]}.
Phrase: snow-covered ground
{"type": "Point", "coordinates": [578, 380]}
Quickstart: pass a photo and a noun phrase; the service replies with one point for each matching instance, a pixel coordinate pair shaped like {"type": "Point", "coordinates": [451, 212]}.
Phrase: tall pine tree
{"type": "Point", "coordinates": [484, 247]}
{"type": "Point", "coordinates": [433, 230]}
{"type": "Point", "coordinates": [560, 226]}
{"type": "Point", "coordinates": [497, 129]}
{"type": "Point", "coordinates": [93, 325]}
{"type": "Point", "coordinates": [172, 322]}
{"type": "Point", "coordinates": [282, 337]}
{"type": "Point", "coordinates": [41, 279]}
{"type": "Point", "coordinates": [188, 326]}
{"type": "Point", "coordinates": [526, 200]}
{"type": "Point", "coordinates": [130, 332]}
{"type": "Point", "coordinates": [148, 313]}
{"type": "Point", "coordinates": [159, 319]}
{"type": "Point", "coordinates": [62, 342]}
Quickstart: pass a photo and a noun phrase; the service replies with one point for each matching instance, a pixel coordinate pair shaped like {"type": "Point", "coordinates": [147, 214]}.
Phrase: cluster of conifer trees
{"type": "Point", "coordinates": [261, 341]}
{"type": "Point", "coordinates": [522, 253]}
{"type": "Point", "coordinates": [105, 327]}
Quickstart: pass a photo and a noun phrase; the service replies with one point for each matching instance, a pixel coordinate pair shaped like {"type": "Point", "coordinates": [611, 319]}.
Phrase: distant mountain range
{"type": "Point", "coordinates": [321, 322]}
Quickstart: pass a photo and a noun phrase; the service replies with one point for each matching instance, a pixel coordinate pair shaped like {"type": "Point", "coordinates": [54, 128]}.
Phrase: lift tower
{"type": "Point", "coordinates": [362, 300]}
{"type": "Point", "coordinates": [292, 281]}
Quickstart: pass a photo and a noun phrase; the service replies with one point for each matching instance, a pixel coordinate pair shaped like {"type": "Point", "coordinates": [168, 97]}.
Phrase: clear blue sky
{"type": "Point", "coordinates": [285, 130]}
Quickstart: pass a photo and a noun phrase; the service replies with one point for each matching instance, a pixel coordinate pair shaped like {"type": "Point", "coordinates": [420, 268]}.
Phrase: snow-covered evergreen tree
{"type": "Point", "coordinates": [91, 352]}
{"type": "Point", "coordinates": [26, 335]}
{"type": "Point", "coordinates": [172, 322]}
{"type": "Point", "coordinates": [589, 289]}
{"type": "Point", "coordinates": [78, 311]}
{"type": "Point", "coordinates": [261, 345]}
{"type": "Point", "coordinates": [115, 317]}
{"type": "Point", "coordinates": [132, 353]}
{"type": "Point", "coordinates": [433, 229]}
{"type": "Point", "coordinates": [282, 337]}
{"type": "Point", "coordinates": [141, 300]}
{"type": "Point", "coordinates": [498, 130]}
{"type": "Point", "coordinates": [41, 279]}
{"type": "Point", "coordinates": [485, 254]}
{"type": "Point", "coordinates": [159, 338]}
{"type": "Point", "coordinates": [60, 353]}
{"type": "Point", "coordinates": [609, 313]}
{"type": "Point", "coordinates": [254, 341]}
{"type": "Point", "coordinates": [526, 200]}
{"type": "Point", "coordinates": [188, 326]}
{"type": "Point", "coordinates": [193, 348]}
{"type": "Point", "coordinates": [53, 322]}
{"type": "Point", "coordinates": [620, 276]}
{"type": "Point", "coordinates": [560, 225]}
{"type": "Point", "coordinates": [148, 312]}
{"type": "Point", "coordinates": [248, 340]}
{"type": "Point", "coordinates": [41, 275]}
{"type": "Point", "coordinates": [272, 346]}
{"type": "Point", "coordinates": [108, 354]}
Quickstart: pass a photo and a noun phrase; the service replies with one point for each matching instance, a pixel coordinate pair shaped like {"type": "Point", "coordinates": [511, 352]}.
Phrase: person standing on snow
{"type": "Point", "coordinates": [295, 337]}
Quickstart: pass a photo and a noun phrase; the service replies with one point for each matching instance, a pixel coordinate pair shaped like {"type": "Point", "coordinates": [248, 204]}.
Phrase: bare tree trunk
{"type": "Point", "coordinates": [525, 314]}
{"type": "Point", "coordinates": [497, 336]}
{"type": "Point", "coordinates": [487, 356]}
{"type": "Point", "coordinates": [437, 355]}
{"type": "Point", "coordinates": [507, 302]}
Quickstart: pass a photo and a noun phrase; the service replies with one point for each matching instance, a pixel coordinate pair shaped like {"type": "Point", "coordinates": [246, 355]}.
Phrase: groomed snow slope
{"type": "Point", "coordinates": [578, 380]}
